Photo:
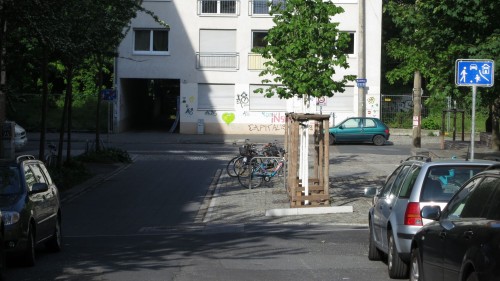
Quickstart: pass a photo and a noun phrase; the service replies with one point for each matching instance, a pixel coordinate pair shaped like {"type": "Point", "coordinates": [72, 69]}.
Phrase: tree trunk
{"type": "Point", "coordinates": [99, 99]}
{"type": "Point", "coordinates": [69, 74]}
{"type": "Point", "coordinates": [45, 94]}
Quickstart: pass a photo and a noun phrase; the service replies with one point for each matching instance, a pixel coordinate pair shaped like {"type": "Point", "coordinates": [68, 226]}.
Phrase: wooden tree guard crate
{"type": "Point", "coordinates": [318, 187]}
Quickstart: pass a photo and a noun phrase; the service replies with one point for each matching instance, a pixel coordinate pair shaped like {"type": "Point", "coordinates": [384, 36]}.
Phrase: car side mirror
{"type": "Point", "coordinates": [39, 187]}
{"type": "Point", "coordinates": [431, 212]}
{"type": "Point", "coordinates": [371, 191]}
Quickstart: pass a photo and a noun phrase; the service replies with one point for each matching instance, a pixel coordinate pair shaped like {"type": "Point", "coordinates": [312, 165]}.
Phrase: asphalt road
{"type": "Point", "coordinates": [138, 225]}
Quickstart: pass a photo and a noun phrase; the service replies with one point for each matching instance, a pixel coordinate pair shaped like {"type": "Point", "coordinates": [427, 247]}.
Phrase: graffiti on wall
{"type": "Point", "coordinates": [242, 99]}
{"type": "Point", "coordinates": [397, 104]}
{"type": "Point", "coordinates": [373, 107]}
{"type": "Point", "coordinates": [189, 107]}
{"type": "Point", "coordinates": [228, 117]}
{"type": "Point", "coordinates": [211, 112]}
{"type": "Point", "coordinates": [266, 128]}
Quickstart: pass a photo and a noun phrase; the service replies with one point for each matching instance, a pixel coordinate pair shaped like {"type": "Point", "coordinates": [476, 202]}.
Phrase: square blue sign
{"type": "Point", "coordinates": [474, 73]}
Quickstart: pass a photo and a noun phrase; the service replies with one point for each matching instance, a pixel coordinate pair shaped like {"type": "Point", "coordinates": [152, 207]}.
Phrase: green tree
{"type": "Point", "coordinates": [304, 48]}
{"type": "Point", "coordinates": [432, 35]}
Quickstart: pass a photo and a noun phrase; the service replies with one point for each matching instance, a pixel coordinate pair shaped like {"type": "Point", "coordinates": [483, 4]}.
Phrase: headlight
{"type": "Point", "coordinates": [10, 217]}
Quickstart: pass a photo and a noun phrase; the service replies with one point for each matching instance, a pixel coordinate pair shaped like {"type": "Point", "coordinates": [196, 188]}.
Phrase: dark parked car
{"type": "Point", "coordinates": [360, 129]}
{"type": "Point", "coordinates": [29, 202]}
{"type": "Point", "coordinates": [395, 215]}
{"type": "Point", "coordinates": [2, 249]}
{"type": "Point", "coordinates": [463, 241]}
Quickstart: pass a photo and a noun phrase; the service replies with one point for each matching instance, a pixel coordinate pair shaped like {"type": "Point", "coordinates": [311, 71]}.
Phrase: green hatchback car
{"type": "Point", "coordinates": [360, 129]}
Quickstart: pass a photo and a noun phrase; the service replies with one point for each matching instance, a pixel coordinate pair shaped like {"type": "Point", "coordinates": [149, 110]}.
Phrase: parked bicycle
{"type": "Point", "coordinates": [262, 169]}
{"type": "Point", "coordinates": [239, 164]}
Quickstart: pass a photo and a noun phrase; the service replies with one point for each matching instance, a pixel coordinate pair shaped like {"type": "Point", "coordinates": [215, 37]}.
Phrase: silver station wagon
{"type": "Point", "coordinates": [395, 215]}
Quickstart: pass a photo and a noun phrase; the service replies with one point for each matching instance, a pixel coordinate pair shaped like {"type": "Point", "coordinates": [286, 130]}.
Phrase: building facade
{"type": "Point", "coordinates": [198, 75]}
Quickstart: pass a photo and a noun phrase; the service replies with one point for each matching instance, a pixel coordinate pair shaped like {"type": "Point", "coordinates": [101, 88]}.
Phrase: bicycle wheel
{"type": "Point", "coordinates": [249, 176]}
{"type": "Point", "coordinates": [230, 168]}
{"type": "Point", "coordinates": [250, 181]}
{"type": "Point", "coordinates": [241, 165]}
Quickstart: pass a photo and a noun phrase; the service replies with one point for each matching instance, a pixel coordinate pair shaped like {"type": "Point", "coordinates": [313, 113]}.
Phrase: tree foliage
{"type": "Point", "coordinates": [432, 35]}
{"type": "Point", "coordinates": [56, 41]}
{"type": "Point", "coordinates": [304, 48]}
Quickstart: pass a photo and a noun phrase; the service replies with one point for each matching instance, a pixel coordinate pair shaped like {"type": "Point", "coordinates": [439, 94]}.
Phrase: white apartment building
{"type": "Point", "coordinates": [201, 69]}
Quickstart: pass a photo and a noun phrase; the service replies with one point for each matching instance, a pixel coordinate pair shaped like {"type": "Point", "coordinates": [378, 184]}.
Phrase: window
{"type": "Point", "coordinates": [29, 177]}
{"type": "Point", "coordinates": [341, 102]}
{"type": "Point", "coordinates": [258, 102]}
{"type": "Point", "coordinates": [217, 50]}
{"type": "Point", "coordinates": [151, 41]}
{"type": "Point", "coordinates": [399, 180]}
{"type": "Point", "coordinates": [384, 192]}
{"type": "Point", "coordinates": [260, 7]}
{"type": "Point", "coordinates": [216, 96]}
{"type": "Point", "coordinates": [258, 39]}
{"type": "Point", "coordinates": [350, 47]}
{"type": "Point", "coordinates": [38, 173]}
{"type": "Point", "coordinates": [369, 123]}
{"type": "Point", "coordinates": [352, 123]}
{"type": "Point", "coordinates": [409, 182]}
{"type": "Point", "coordinates": [228, 7]}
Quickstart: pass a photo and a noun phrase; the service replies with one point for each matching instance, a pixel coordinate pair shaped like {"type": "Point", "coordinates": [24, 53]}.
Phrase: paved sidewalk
{"type": "Point", "coordinates": [229, 203]}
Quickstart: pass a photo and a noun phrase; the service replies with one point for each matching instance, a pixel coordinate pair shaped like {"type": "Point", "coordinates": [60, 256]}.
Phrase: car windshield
{"type": "Point", "coordinates": [9, 181]}
{"type": "Point", "coordinates": [443, 181]}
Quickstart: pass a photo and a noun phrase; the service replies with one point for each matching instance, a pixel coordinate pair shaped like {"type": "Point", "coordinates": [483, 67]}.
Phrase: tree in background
{"type": "Point", "coordinates": [432, 35]}
{"type": "Point", "coordinates": [51, 42]}
{"type": "Point", "coordinates": [304, 48]}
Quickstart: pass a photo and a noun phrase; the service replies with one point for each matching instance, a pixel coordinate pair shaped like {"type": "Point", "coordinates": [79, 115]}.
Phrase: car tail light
{"type": "Point", "coordinates": [386, 131]}
{"type": "Point", "coordinates": [412, 214]}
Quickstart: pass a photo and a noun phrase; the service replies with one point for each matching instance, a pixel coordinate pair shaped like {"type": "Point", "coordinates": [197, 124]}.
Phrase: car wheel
{"type": "Point", "coordinates": [378, 140]}
{"type": "Point", "coordinates": [331, 139]}
{"type": "Point", "coordinates": [373, 252]}
{"type": "Point", "coordinates": [28, 257]}
{"type": "Point", "coordinates": [472, 277]}
{"type": "Point", "coordinates": [397, 268]}
{"type": "Point", "coordinates": [54, 244]}
{"type": "Point", "coordinates": [415, 266]}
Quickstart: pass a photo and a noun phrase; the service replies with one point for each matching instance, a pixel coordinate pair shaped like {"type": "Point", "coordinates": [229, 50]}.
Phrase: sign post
{"type": "Point", "coordinates": [474, 73]}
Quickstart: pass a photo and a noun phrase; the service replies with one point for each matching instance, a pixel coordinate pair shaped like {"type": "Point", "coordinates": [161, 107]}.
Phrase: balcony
{"type": "Point", "coordinates": [256, 61]}
{"type": "Point", "coordinates": [217, 61]}
{"type": "Point", "coordinates": [219, 7]}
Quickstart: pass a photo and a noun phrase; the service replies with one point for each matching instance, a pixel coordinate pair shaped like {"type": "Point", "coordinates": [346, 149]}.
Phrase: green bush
{"type": "Point", "coordinates": [430, 123]}
{"type": "Point", "coordinates": [107, 155]}
{"type": "Point", "coordinates": [75, 171]}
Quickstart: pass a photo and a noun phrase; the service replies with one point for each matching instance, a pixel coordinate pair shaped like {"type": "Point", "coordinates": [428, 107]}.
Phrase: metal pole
{"type": "Point", "coordinates": [473, 123]}
{"type": "Point", "coordinates": [361, 58]}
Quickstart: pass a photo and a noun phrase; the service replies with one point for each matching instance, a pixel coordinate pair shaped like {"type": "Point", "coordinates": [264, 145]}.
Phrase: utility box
{"type": "Point", "coordinates": [201, 126]}
{"type": "Point", "coordinates": [8, 133]}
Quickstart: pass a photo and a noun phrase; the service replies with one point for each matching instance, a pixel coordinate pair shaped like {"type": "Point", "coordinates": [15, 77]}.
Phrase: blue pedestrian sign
{"type": "Point", "coordinates": [108, 94]}
{"type": "Point", "coordinates": [470, 72]}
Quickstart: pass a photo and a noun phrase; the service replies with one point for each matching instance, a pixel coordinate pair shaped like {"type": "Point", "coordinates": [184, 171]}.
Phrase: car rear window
{"type": "Point", "coordinates": [9, 181]}
{"type": "Point", "coordinates": [442, 182]}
